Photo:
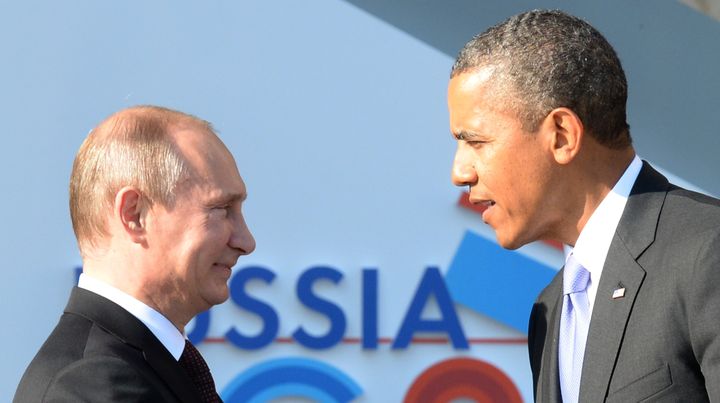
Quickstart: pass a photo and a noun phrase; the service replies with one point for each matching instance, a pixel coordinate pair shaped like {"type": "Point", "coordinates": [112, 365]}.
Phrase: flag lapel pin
{"type": "Point", "coordinates": [619, 292]}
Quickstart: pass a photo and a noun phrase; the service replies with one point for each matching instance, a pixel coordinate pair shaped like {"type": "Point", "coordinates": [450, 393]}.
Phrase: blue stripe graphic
{"type": "Point", "coordinates": [496, 282]}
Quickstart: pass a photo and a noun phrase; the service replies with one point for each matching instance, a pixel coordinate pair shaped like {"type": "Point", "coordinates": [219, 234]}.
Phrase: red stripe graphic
{"type": "Point", "coordinates": [388, 340]}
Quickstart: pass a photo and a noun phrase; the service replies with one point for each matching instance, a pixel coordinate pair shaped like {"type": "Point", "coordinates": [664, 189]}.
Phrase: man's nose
{"type": "Point", "coordinates": [463, 169]}
{"type": "Point", "coordinates": [242, 239]}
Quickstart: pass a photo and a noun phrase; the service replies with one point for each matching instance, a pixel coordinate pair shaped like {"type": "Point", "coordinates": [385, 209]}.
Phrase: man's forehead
{"type": "Point", "coordinates": [479, 104]}
{"type": "Point", "coordinates": [213, 190]}
{"type": "Point", "coordinates": [468, 94]}
{"type": "Point", "coordinates": [200, 147]}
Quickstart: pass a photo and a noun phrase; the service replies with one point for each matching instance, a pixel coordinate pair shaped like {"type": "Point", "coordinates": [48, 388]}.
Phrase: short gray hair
{"type": "Point", "coordinates": [545, 59]}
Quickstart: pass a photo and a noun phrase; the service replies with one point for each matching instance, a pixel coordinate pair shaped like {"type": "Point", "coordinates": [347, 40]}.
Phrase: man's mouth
{"type": "Point", "coordinates": [484, 204]}
{"type": "Point", "coordinates": [222, 266]}
{"type": "Point", "coordinates": [227, 263]}
{"type": "Point", "coordinates": [488, 203]}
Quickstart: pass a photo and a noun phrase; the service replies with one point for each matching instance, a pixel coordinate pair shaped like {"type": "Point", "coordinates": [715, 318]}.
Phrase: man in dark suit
{"type": "Point", "coordinates": [155, 200]}
{"type": "Point", "coordinates": [537, 105]}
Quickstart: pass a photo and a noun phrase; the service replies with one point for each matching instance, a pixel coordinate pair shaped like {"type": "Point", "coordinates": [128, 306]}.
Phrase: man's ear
{"type": "Point", "coordinates": [129, 208]}
{"type": "Point", "coordinates": [566, 134]}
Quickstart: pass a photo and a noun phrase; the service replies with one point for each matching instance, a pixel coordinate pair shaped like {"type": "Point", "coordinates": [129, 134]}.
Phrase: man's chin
{"type": "Point", "coordinates": [508, 242]}
{"type": "Point", "coordinates": [222, 297]}
{"type": "Point", "coordinates": [218, 297]}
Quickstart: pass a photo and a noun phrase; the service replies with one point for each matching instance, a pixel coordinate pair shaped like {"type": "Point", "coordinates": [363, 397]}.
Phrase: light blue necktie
{"type": "Point", "coordinates": [574, 325]}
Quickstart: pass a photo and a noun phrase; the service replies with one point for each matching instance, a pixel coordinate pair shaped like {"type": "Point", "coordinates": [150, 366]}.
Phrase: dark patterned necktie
{"type": "Point", "coordinates": [196, 368]}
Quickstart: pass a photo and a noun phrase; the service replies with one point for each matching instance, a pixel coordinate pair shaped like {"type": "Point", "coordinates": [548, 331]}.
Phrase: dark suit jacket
{"type": "Point", "coordinates": [661, 341]}
{"type": "Point", "coordinates": [99, 352]}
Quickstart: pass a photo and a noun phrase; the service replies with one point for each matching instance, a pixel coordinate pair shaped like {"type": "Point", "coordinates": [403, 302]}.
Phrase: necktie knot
{"type": "Point", "coordinates": [576, 278]}
{"type": "Point", "coordinates": [197, 370]}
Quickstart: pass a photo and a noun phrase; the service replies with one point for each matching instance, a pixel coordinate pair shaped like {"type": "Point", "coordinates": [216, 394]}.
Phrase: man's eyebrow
{"type": "Point", "coordinates": [465, 135]}
{"type": "Point", "coordinates": [228, 198]}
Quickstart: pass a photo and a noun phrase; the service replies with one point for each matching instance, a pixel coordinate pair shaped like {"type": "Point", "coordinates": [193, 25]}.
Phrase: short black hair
{"type": "Point", "coordinates": [547, 59]}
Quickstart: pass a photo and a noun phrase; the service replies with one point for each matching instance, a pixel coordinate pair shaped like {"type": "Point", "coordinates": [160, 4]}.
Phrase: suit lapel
{"type": "Point", "coordinates": [607, 325]}
{"type": "Point", "coordinates": [117, 321]}
{"type": "Point", "coordinates": [635, 232]}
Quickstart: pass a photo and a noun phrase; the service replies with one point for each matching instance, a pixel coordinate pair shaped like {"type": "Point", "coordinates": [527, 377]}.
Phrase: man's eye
{"type": "Point", "coordinates": [225, 209]}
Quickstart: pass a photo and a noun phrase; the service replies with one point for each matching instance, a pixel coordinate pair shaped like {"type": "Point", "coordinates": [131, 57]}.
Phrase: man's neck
{"type": "Point", "coordinates": [596, 177]}
{"type": "Point", "coordinates": [127, 278]}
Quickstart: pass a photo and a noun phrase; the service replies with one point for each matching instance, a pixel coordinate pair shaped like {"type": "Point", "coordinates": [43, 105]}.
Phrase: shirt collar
{"type": "Point", "coordinates": [594, 241]}
{"type": "Point", "coordinates": [159, 325]}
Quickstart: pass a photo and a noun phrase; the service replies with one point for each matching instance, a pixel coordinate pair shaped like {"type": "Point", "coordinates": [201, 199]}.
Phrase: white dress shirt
{"type": "Point", "coordinates": [159, 325]}
{"type": "Point", "coordinates": [592, 245]}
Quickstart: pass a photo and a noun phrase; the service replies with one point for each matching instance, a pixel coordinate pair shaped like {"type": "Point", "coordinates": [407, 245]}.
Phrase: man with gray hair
{"type": "Point", "coordinates": [155, 201]}
{"type": "Point", "coordinates": [537, 106]}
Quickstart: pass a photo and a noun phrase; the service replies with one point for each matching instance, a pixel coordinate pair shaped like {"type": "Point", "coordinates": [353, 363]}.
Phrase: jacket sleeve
{"type": "Point", "coordinates": [704, 312]}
